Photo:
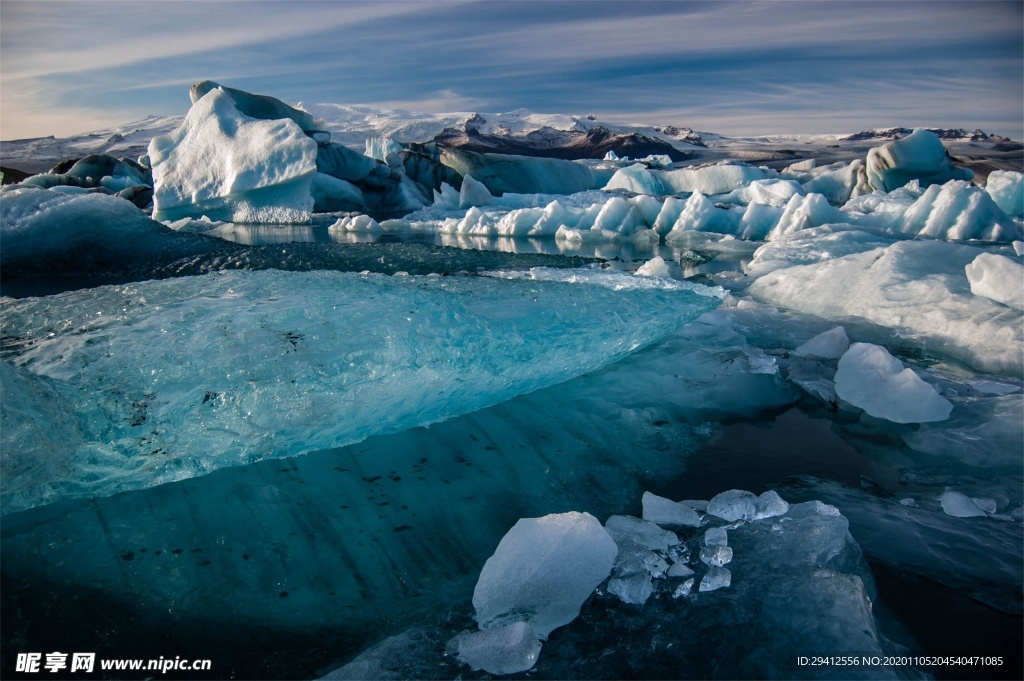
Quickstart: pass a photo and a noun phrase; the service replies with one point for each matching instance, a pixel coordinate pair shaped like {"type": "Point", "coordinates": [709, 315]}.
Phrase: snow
{"type": "Point", "coordinates": [228, 166]}
{"type": "Point", "coordinates": [997, 278]}
{"type": "Point", "coordinates": [542, 572]}
{"type": "Point", "coordinates": [872, 379]}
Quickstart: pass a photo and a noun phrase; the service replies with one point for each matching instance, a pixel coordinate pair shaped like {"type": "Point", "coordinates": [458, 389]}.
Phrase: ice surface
{"type": "Point", "coordinates": [733, 505]}
{"type": "Point", "coordinates": [331, 194]}
{"type": "Point", "coordinates": [1006, 188]}
{"type": "Point", "coordinates": [918, 156]}
{"type": "Point", "coordinates": [918, 287]}
{"type": "Point", "coordinates": [838, 182]}
{"type": "Point", "coordinates": [502, 173]}
{"type": "Point", "coordinates": [667, 512]}
{"type": "Point", "coordinates": [803, 212]}
{"type": "Point", "coordinates": [715, 578]}
{"type": "Point", "coordinates": [229, 166]}
{"type": "Point", "coordinates": [542, 572]}
{"type": "Point", "coordinates": [872, 379]}
{"type": "Point", "coordinates": [829, 344]}
{"type": "Point", "coordinates": [260, 107]}
{"type": "Point", "coordinates": [960, 505]}
{"type": "Point", "coordinates": [638, 179]}
{"type": "Point", "coordinates": [285, 355]}
{"type": "Point", "coordinates": [712, 179]}
{"type": "Point", "coordinates": [998, 278]}
{"type": "Point", "coordinates": [509, 649]}
{"type": "Point", "coordinates": [355, 223]}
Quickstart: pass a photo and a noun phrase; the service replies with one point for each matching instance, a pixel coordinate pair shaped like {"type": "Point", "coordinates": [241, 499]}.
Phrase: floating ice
{"type": "Point", "coordinates": [712, 179]}
{"type": "Point", "coordinates": [331, 194]}
{"type": "Point", "coordinates": [918, 156]}
{"type": "Point", "coordinates": [260, 107]}
{"type": "Point", "coordinates": [1006, 188]}
{"type": "Point", "coordinates": [355, 223]}
{"type": "Point", "coordinates": [643, 532]}
{"type": "Point", "coordinates": [998, 278]}
{"type": "Point", "coordinates": [638, 179]}
{"type": "Point", "coordinates": [829, 344]}
{"type": "Point", "coordinates": [803, 212]}
{"type": "Point", "coordinates": [716, 556]}
{"type": "Point", "coordinates": [667, 512]}
{"type": "Point", "coordinates": [509, 649]}
{"type": "Point", "coordinates": [655, 267]}
{"type": "Point", "coordinates": [733, 505]}
{"type": "Point", "coordinates": [716, 578]}
{"type": "Point", "coordinates": [960, 505]}
{"type": "Point", "coordinates": [716, 536]}
{"type": "Point", "coordinates": [229, 166]}
{"type": "Point", "coordinates": [916, 286]}
{"type": "Point", "coordinates": [769, 505]}
{"type": "Point", "coordinates": [838, 182]}
{"type": "Point", "coordinates": [542, 572]}
{"type": "Point", "coordinates": [633, 587]}
{"type": "Point", "coordinates": [683, 589]}
{"type": "Point", "coordinates": [680, 569]}
{"type": "Point", "coordinates": [502, 173]}
{"type": "Point", "coordinates": [872, 379]}
{"type": "Point", "coordinates": [473, 193]}
{"type": "Point", "coordinates": [290, 362]}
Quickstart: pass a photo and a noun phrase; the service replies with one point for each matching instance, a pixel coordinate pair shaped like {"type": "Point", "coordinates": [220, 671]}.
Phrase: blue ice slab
{"type": "Point", "coordinates": [174, 379]}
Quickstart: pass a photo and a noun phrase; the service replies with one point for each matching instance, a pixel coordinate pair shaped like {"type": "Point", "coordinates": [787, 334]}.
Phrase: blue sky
{"type": "Point", "coordinates": [728, 67]}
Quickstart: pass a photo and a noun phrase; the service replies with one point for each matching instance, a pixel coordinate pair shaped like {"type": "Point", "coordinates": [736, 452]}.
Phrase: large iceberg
{"type": "Point", "coordinates": [229, 166]}
{"type": "Point", "coordinates": [290, 362]}
{"type": "Point", "coordinates": [918, 156]}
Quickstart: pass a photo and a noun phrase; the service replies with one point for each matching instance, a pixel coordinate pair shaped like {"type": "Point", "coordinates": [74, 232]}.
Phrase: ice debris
{"type": "Point", "coordinates": [733, 505]}
{"type": "Point", "coordinates": [542, 571]}
{"type": "Point", "coordinates": [829, 344]}
{"type": "Point", "coordinates": [667, 512]}
{"type": "Point", "coordinates": [1006, 187]}
{"type": "Point", "coordinates": [875, 381]}
{"type": "Point", "coordinates": [962, 506]}
{"type": "Point", "coordinates": [998, 278]}
{"type": "Point", "coordinates": [716, 578]}
{"type": "Point", "coordinates": [504, 650]}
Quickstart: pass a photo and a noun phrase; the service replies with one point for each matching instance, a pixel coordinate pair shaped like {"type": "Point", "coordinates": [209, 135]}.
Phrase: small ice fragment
{"type": "Point", "coordinates": [769, 505]}
{"type": "Point", "coordinates": [872, 379]}
{"type": "Point", "coordinates": [680, 569]}
{"type": "Point", "coordinates": [1018, 247]}
{"type": "Point", "coordinates": [716, 578]}
{"type": "Point", "coordinates": [655, 267]}
{"type": "Point", "coordinates": [683, 589]}
{"type": "Point", "coordinates": [716, 556]}
{"type": "Point", "coordinates": [828, 345]}
{"type": "Point", "coordinates": [733, 505]}
{"type": "Point", "coordinates": [635, 588]}
{"type": "Point", "coordinates": [644, 533]}
{"type": "Point", "coordinates": [908, 501]}
{"type": "Point", "coordinates": [667, 512]}
{"type": "Point", "coordinates": [959, 505]}
{"type": "Point", "coordinates": [716, 536]}
{"type": "Point", "coordinates": [506, 650]}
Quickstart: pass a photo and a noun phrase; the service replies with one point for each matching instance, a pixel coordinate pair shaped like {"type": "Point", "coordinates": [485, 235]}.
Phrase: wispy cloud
{"type": "Point", "coordinates": [769, 65]}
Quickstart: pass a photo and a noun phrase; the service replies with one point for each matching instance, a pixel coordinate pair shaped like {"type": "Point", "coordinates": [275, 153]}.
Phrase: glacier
{"type": "Point", "coordinates": [317, 411]}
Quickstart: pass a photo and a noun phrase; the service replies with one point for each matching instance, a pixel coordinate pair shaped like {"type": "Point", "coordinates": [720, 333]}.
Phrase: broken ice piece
{"type": "Point", "coordinates": [506, 650]}
{"type": "Point", "coordinates": [985, 504]}
{"type": "Point", "coordinates": [716, 556]}
{"type": "Point", "coordinates": [679, 569]}
{"type": "Point", "coordinates": [642, 532]}
{"type": "Point", "coordinates": [716, 578]}
{"type": "Point", "coordinates": [683, 589]}
{"type": "Point", "coordinates": [635, 588]}
{"type": "Point", "coordinates": [769, 505]}
{"type": "Point", "coordinates": [960, 505]}
{"type": "Point", "coordinates": [667, 512]}
{"type": "Point", "coordinates": [908, 501]}
{"type": "Point", "coordinates": [831, 344]}
{"type": "Point", "coordinates": [716, 536]}
{"type": "Point", "coordinates": [736, 504]}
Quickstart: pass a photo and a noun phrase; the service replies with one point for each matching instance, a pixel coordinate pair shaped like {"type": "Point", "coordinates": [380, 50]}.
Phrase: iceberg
{"type": "Point", "coordinates": [503, 173]}
{"type": "Point", "coordinates": [542, 572]}
{"type": "Point", "coordinates": [291, 362]}
{"type": "Point", "coordinates": [229, 166]}
{"type": "Point", "coordinates": [957, 211]}
{"type": "Point", "coordinates": [918, 156]}
{"type": "Point", "coordinates": [872, 379]}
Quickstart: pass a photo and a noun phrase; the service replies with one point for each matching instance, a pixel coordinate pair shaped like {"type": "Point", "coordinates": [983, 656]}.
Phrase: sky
{"type": "Point", "coordinates": [733, 68]}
